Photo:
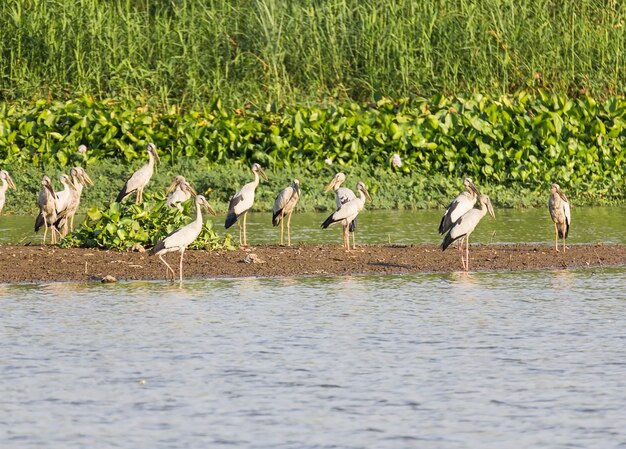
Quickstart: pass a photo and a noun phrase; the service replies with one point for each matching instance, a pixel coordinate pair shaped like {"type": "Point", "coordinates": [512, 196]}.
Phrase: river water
{"type": "Point", "coordinates": [589, 225]}
{"type": "Point", "coordinates": [482, 360]}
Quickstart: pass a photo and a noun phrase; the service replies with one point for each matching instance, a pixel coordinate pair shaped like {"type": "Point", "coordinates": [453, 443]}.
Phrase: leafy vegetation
{"type": "Point", "coordinates": [185, 52]}
{"type": "Point", "coordinates": [121, 226]}
{"type": "Point", "coordinates": [518, 143]}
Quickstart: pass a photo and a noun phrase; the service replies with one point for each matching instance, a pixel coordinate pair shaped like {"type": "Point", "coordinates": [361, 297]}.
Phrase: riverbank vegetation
{"type": "Point", "coordinates": [513, 146]}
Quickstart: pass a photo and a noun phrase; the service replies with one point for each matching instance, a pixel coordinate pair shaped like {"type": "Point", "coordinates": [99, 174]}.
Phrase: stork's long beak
{"type": "Point", "coordinates": [50, 189]}
{"type": "Point", "coordinates": [85, 179]}
{"type": "Point", "coordinates": [562, 195]}
{"type": "Point", "coordinates": [473, 187]}
{"type": "Point", "coordinates": [330, 186]}
{"type": "Point", "coordinates": [367, 194]}
{"type": "Point", "coordinates": [171, 187]}
{"type": "Point", "coordinates": [10, 182]}
{"type": "Point", "coordinates": [209, 208]}
{"type": "Point", "coordinates": [192, 190]}
{"type": "Point", "coordinates": [490, 210]}
{"type": "Point", "coordinates": [262, 173]}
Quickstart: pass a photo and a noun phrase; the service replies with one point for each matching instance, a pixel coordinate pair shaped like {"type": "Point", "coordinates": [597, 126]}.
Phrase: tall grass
{"type": "Point", "coordinates": [185, 52]}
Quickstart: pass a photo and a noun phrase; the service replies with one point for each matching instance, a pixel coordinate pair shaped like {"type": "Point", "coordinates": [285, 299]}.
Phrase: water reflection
{"type": "Point", "coordinates": [590, 225]}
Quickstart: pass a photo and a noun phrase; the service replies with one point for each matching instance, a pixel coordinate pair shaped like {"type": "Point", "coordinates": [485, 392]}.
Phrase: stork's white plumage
{"type": "Point", "coordinates": [464, 202]}
{"type": "Point", "coordinates": [465, 225]}
{"type": "Point", "coordinates": [47, 210]}
{"type": "Point", "coordinates": [342, 196]}
{"type": "Point", "coordinates": [64, 197]}
{"type": "Point", "coordinates": [179, 239]}
{"type": "Point", "coordinates": [7, 182]}
{"type": "Point", "coordinates": [560, 212]}
{"type": "Point", "coordinates": [242, 202]}
{"type": "Point", "coordinates": [285, 204]}
{"type": "Point", "coordinates": [178, 192]}
{"type": "Point", "coordinates": [347, 212]}
{"type": "Point", "coordinates": [138, 181]}
{"type": "Point", "coordinates": [67, 209]}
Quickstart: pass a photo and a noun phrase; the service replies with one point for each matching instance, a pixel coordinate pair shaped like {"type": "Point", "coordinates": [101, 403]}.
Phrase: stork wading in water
{"type": "Point", "coordinates": [65, 217]}
{"type": "Point", "coordinates": [342, 196]}
{"type": "Point", "coordinates": [465, 225]}
{"type": "Point", "coordinates": [7, 182]}
{"type": "Point", "coordinates": [242, 202]}
{"type": "Point", "coordinates": [47, 210]}
{"type": "Point", "coordinates": [138, 181]}
{"type": "Point", "coordinates": [347, 212]}
{"type": "Point", "coordinates": [559, 208]}
{"type": "Point", "coordinates": [179, 239]}
{"type": "Point", "coordinates": [285, 204]}
{"type": "Point", "coordinates": [178, 192]}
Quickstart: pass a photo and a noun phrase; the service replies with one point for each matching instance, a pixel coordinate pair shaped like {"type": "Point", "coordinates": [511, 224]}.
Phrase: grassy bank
{"type": "Point", "coordinates": [187, 52]}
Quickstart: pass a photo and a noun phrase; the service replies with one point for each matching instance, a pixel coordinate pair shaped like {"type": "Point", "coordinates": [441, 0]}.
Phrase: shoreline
{"type": "Point", "coordinates": [37, 263]}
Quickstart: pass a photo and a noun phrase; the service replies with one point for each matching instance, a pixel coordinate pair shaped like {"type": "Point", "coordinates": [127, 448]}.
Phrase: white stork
{"type": "Point", "coordinates": [7, 182]}
{"type": "Point", "coordinates": [347, 212]}
{"type": "Point", "coordinates": [68, 200]}
{"type": "Point", "coordinates": [464, 226]}
{"type": "Point", "coordinates": [47, 210]}
{"type": "Point", "coordinates": [460, 205]}
{"type": "Point", "coordinates": [559, 208]}
{"type": "Point", "coordinates": [179, 239]}
{"type": "Point", "coordinates": [178, 192]}
{"type": "Point", "coordinates": [242, 202]}
{"type": "Point", "coordinates": [343, 195]}
{"type": "Point", "coordinates": [138, 181]}
{"type": "Point", "coordinates": [285, 204]}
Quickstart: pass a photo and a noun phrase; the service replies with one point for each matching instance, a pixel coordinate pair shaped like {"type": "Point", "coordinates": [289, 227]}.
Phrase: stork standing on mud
{"type": "Point", "coordinates": [7, 182]}
{"type": "Point", "coordinates": [138, 181]}
{"type": "Point", "coordinates": [47, 210]}
{"type": "Point", "coordinates": [464, 226]}
{"type": "Point", "coordinates": [242, 202]}
{"type": "Point", "coordinates": [342, 196]}
{"type": "Point", "coordinates": [559, 208]}
{"type": "Point", "coordinates": [347, 212]}
{"type": "Point", "coordinates": [181, 238]}
{"type": "Point", "coordinates": [285, 204]}
{"type": "Point", "coordinates": [459, 206]}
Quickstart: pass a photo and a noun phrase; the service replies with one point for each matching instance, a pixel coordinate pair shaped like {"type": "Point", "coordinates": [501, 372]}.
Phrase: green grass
{"type": "Point", "coordinates": [187, 52]}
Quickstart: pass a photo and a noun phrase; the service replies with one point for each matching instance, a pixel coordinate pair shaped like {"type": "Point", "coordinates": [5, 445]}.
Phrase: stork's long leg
{"type": "Point", "coordinates": [182, 251]}
{"type": "Point", "coordinates": [168, 268]}
{"type": "Point", "coordinates": [45, 229]}
{"type": "Point", "coordinates": [282, 222]}
{"type": "Point", "coordinates": [556, 238]}
{"type": "Point", "coordinates": [245, 240]}
{"type": "Point", "coordinates": [467, 253]}
{"type": "Point", "coordinates": [239, 226]}
{"type": "Point", "coordinates": [346, 237]}
{"type": "Point", "coordinates": [289, 229]}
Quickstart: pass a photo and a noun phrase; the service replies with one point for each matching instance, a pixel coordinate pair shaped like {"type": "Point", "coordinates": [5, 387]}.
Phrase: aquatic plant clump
{"type": "Point", "coordinates": [123, 226]}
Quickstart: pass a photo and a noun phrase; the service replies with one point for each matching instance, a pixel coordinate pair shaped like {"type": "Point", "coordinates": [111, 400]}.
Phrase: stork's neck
{"type": "Point", "coordinates": [151, 160]}
{"type": "Point", "coordinates": [361, 199]}
{"type": "Point", "coordinates": [198, 215]}
{"type": "Point", "coordinates": [4, 186]}
{"type": "Point", "coordinates": [256, 179]}
{"type": "Point", "coordinates": [483, 210]}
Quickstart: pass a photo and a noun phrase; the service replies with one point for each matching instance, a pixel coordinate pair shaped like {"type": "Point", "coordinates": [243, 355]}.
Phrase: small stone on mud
{"type": "Point", "coordinates": [108, 279]}
{"type": "Point", "coordinates": [253, 258]}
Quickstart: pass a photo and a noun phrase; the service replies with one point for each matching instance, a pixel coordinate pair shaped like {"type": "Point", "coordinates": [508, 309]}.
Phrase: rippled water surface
{"type": "Point", "coordinates": [589, 225]}
{"type": "Point", "coordinates": [486, 360]}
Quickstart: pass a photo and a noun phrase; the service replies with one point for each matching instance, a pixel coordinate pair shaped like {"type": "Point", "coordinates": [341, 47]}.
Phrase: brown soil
{"type": "Point", "coordinates": [46, 263]}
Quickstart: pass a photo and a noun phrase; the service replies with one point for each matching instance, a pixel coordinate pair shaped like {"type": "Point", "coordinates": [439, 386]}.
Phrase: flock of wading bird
{"type": "Point", "coordinates": [57, 209]}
